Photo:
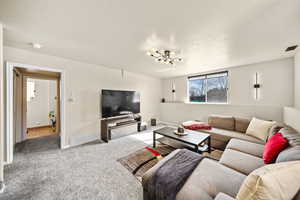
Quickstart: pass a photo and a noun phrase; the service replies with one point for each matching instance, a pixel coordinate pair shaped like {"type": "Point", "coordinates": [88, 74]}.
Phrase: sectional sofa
{"type": "Point", "coordinates": [225, 128]}
{"type": "Point", "coordinates": [223, 179]}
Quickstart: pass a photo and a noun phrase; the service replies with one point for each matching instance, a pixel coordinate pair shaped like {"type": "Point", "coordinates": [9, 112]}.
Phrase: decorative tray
{"type": "Point", "coordinates": [180, 134]}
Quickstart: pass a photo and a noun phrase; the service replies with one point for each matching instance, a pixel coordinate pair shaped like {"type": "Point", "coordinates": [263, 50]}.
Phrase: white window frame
{"type": "Point", "coordinates": [205, 78]}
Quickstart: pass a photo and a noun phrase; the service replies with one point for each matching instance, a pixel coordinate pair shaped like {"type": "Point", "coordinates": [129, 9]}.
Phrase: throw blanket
{"type": "Point", "coordinates": [195, 125]}
{"type": "Point", "coordinates": [171, 176]}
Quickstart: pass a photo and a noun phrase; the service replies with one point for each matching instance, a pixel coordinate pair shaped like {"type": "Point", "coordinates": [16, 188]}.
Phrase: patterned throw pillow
{"type": "Point", "coordinates": [291, 135]}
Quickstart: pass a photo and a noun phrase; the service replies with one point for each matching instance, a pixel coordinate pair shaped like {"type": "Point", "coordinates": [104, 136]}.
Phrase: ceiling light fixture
{"type": "Point", "coordinates": [164, 56]}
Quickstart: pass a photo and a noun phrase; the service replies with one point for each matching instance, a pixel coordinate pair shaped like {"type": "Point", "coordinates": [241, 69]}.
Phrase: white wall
{"type": "Point", "coordinates": [1, 107]}
{"type": "Point", "coordinates": [84, 83]}
{"type": "Point", "coordinates": [297, 80]}
{"type": "Point", "coordinates": [291, 117]}
{"type": "Point", "coordinates": [277, 91]}
{"type": "Point", "coordinates": [38, 108]}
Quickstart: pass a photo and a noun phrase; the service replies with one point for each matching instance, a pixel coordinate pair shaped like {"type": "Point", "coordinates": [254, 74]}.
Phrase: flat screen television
{"type": "Point", "coordinates": [117, 103]}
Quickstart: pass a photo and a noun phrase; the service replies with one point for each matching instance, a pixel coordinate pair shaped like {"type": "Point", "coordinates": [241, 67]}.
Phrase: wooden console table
{"type": "Point", "coordinates": [119, 122]}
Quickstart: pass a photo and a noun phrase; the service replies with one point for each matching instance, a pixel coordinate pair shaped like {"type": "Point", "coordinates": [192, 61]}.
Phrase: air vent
{"type": "Point", "coordinates": [291, 48]}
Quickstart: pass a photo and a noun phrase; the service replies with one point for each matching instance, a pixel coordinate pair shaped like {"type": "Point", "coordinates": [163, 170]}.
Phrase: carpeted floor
{"type": "Point", "coordinates": [41, 171]}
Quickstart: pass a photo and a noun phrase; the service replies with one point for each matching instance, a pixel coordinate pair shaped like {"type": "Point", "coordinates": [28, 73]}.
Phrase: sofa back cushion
{"type": "Point", "coordinates": [291, 135]}
{"type": "Point", "coordinates": [223, 122]}
{"type": "Point", "coordinates": [275, 181]}
{"type": "Point", "coordinates": [260, 128]}
{"type": "Point", "coordinates": [289, 154]}
{"type": "Point", "coordinates": [241, 124]}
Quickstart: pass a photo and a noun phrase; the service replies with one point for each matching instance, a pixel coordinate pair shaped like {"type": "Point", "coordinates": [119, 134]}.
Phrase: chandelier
{"type": "Point", "coordinates": [164, 56]}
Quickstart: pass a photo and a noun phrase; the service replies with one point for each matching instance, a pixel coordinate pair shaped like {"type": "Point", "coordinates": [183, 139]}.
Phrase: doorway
{"type": "Point", "coordinates": [41, 107]}
{"type": "Point", "coordinates": [35, 106]}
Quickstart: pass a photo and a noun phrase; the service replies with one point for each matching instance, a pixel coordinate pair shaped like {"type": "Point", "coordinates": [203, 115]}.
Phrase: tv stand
{"type": "Point", "coordinates": [108, 124]}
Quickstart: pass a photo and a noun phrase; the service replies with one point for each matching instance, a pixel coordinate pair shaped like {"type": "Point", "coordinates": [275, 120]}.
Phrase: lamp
{"type": "Point", "coordinates": [256, 87]}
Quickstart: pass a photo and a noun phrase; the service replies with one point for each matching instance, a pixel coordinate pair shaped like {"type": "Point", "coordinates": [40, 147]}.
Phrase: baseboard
{"type": "Point", "coordinates": [6, 163]}
{"type": "Point", "coordinates": [2, 187]}
{"type": "Point", "coordinates": [66, 147]}
{"type": "Point", "coordinates": [83, 139]}
{"type": "Point", "coordinates": [37, 127]}
{"type": "Point", "coordinates": [169, 123]}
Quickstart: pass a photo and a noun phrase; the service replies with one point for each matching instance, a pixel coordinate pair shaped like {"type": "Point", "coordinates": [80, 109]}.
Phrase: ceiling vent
{"type": "Point", "coordinates": [291, 48]}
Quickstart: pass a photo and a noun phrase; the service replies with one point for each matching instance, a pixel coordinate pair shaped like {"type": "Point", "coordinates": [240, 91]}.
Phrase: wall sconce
{"type": "Point", "coordinates": [173, 92]}
{"type": "Point", "coordinates": [257, 86]}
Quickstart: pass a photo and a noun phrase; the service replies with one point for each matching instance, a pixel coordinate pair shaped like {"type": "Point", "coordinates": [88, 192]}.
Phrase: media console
{"type": "Point", "coordinates": [108, 124]}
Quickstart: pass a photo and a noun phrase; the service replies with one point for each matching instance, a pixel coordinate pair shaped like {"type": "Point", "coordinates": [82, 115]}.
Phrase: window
{"type": "Point", "coordinates": [208, 88]}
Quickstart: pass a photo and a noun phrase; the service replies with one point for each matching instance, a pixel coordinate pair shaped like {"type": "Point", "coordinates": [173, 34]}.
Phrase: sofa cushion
{"type": "Point", "coordinates": [222, 196]}
{"type": "Point", "coordinates": [226, 135]}
{"type": "Point", "coordinates": [241, 162]}
{"type": "Point", "coordinates": [275, 129]}
{"type": "Point", "coordinates": [260, 128]}
{"type": "Point", "coordinates": [192, 194]}
{"type": "Point", "coordinates": [241, 125]}
{"type": "Point", "coordinates": [291, 135]}
{"type": "Point", "coordinates": [276, 181]}
{"type": "Point", "coordinates": [223, 122]}
{"type": "Point", "coordinates": [289, 154]}
{"type": "Point", "coordinates": [211, 177]}
{"type": "Point", "coordinates": [251, 148]}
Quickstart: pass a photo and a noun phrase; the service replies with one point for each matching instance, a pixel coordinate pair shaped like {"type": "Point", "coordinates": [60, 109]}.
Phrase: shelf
{"type": "Point", "coordinates": [123, 124]}
{"type": "Point", "coordinates": [109, 124]}
{"type": "Point", "coordinates": [180, 145]}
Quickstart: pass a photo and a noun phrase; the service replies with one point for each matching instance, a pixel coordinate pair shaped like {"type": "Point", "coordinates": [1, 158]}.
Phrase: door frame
{"type": "Point", "coordinates": [10, 103]}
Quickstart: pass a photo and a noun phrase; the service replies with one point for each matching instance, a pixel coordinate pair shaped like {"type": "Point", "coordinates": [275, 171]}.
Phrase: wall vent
{"type": "Point", "coordinates": [291, 48]}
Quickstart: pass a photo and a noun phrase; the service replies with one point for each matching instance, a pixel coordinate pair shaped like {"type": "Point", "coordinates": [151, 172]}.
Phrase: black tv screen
{"type": "Point", "coordinates": [117, 102]}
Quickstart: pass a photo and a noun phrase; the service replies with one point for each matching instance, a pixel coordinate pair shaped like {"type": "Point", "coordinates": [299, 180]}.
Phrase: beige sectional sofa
{"type": "Point", "coordinates": [219, 180]}
{"type": "Point", "coordinates": [225, 128]}
{"type": "Point", "coordinates": [222, 180]}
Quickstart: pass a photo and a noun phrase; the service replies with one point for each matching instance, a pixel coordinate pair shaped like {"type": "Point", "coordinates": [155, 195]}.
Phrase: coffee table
{"type": "Point", "coordinates": [196, 140]}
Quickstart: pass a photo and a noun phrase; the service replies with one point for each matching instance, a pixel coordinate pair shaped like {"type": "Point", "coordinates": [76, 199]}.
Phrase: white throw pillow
{"type": "Point", "coordinates": [260, 128]}
{"type": "Point", "coordinates": [280, 181]}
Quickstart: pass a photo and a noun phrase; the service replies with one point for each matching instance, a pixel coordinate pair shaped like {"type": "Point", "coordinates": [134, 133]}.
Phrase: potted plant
{"type": "Point", "coordinates": [52, 119]}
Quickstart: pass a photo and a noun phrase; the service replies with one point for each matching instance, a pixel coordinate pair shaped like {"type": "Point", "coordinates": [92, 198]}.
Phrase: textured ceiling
{"type": "Point", "coordinates": [211, 34]}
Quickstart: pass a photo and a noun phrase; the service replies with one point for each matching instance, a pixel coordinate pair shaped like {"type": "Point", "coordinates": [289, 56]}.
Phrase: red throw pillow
{"type": "Point", "coordinates": [274, 146]}
{"type": "Point", "coordinates": [197, 127]}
